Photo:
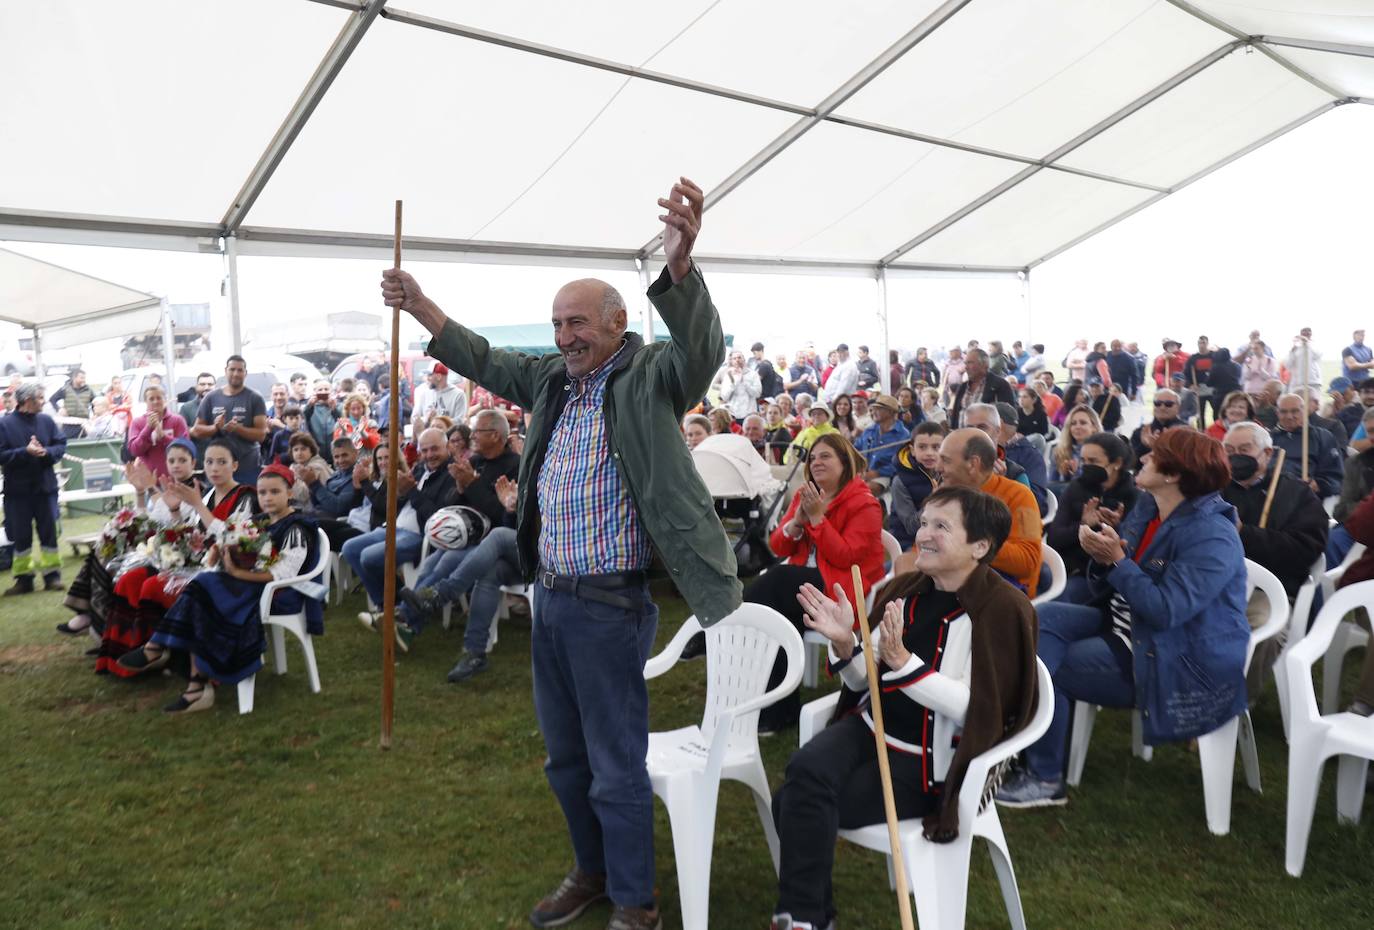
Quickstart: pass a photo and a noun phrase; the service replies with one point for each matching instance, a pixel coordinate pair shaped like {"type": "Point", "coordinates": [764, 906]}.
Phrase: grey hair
{"type": "Point", "coordinates": [498, 420]}
{"type": "Point", "coordinates": [971, 353]}
{"type": "Point", "coordinates": [803, 396]}
{"type": "Point", "coordinates": [1368, 415]}
{"type": "Point", "coordinates": [1262, 437]}
{"type": "Point", "coordinates": [755, 416]}
{"type": "Point", "coordinates": [980, 447]}
{"type": "Point", "coordinates": [27, 392]}
{"type": "Point", "coordinates": [989, 409]}
{"type": "Point", "coordinates": [1170, 391]}
{"type": "Point", "coordinates": [611, 301]}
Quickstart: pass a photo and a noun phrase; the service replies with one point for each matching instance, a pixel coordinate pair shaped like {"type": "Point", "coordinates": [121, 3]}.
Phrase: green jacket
{"type": "Point", "coordinates": [649, 390]}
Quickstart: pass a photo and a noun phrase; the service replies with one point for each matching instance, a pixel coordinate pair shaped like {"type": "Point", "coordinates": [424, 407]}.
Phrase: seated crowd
{"type": "Point", "coordinates": [975, 460]}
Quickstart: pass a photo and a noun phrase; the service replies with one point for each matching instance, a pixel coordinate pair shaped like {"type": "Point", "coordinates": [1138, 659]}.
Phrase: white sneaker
{"type": "Point", "coordinates": [370, 620]}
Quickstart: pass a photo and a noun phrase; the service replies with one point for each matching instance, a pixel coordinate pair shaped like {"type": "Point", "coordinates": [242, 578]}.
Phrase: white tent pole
{"type": "Point", "coordinates": [1026, 305]}
{"type": "Point", "coordinates": [38, 353]}
{"type": "Point", "coordinates": [231, 271]}
{"type": "Point", "coordinates": [884, 368]}
{"type": "Point", "coordinates": [647, 309]}
{"type": "Point", "coordinates": [169, 352]}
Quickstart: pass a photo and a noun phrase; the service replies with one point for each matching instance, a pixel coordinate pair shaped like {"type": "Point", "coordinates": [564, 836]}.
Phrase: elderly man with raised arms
{"type": "Point", "coordinates": [605, 480]}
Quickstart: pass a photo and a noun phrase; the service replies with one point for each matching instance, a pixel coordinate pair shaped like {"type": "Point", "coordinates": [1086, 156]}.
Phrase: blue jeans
{"type": "Point", "coordinates": [1087, 663]}
{"type": "Point", "coordinates": [593, 707]}
{"type": "Point", "coordinates": [437, 566]}
{"type": "Point", "coordinates": [366, 555]}
{"type": "Point", "coordinates": [491, 563]}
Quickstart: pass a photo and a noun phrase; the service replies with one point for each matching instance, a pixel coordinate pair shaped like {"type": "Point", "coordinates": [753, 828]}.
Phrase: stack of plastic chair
{"type": "Point", "coordinates": [686, 765]}
{"type": "Point", "coordinates": [277, 625]}
{"type": "Point", "coordinates": [1297, 629]}
{"type": "Point", "coordinates": [1315, 737]}
{"type": "Point", "coordinates": [937, 873]}
{"type": "Point", "coordinates": [1217, 749]}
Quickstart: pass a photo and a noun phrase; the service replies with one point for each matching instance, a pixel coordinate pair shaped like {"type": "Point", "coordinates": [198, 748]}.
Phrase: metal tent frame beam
{"type": "Point", "coordinates": [344, 43]}
{"type": "Point", "coordinates": [1274, 56]}
{"type": "Point", "coordinates": [1258, 143]}
{"type": "Point", "coordinates": [1159, 90]}
{"type": "Point", "coordinates": [827, 106]}
{"type": "Point", "coordinates": [1312, 45]}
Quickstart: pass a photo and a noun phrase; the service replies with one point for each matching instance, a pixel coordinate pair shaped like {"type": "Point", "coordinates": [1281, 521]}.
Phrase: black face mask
{"type": "Point", "coordinates": [1243, 467]}
{"type": "Point", "coordinates": [1093, 477]}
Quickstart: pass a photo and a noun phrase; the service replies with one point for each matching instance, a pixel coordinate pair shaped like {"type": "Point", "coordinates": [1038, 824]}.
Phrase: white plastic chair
{"type": "Point", "coordinates": [341, 576]}
{"type": "Point", "coordinates": [1297, 628]}
{"type": "Point", "coordinates": [686, 765]}
{"type": "Point", "coordinates": [1315, 737]}
{"type": "Point", "coordinates": [1217, 749]}
{"type": "Point", "coordinates": [1348, 636]}
{"type": "Point", "coordinates": [891, 549]}
{"type": "Point", "coordinates": [1059, 575]}
{"type": "Point", "coordinates": [937, 873]}
{"type": "Point", "coordinates": [1051, 508]}
{"type": "Point", "coordinates": [279, 624]}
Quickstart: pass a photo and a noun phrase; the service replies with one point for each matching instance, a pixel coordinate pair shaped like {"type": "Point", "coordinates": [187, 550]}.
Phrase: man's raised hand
{"type": "Point", "coordinates": [681, 224]}
{"type": "Point", "coordinates": [399, 289]}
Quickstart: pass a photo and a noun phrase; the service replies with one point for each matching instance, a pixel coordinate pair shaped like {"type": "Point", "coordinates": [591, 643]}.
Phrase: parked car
{"type": "Point", "coordinates": [416, 366]}
{"type": "Point", "coordinates": [17, 358]}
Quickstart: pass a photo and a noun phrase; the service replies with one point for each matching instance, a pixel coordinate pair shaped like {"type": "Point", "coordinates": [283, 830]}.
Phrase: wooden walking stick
{"type": "Point", "coordinates": [1306, 361]}
{"type": "Point", "coordinates": [1273, 483]}
{"type": "Point", "coordinates": [884, 770]}
{"type": "Point", "coordinates": [393, 445]}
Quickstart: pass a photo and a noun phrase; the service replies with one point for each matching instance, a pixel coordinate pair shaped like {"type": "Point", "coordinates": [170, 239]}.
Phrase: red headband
{"type": "Point", "coordinates": [281, 471]}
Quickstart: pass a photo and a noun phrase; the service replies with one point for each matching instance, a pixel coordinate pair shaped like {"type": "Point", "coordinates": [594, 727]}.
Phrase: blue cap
{"type": "Point", "coordinates": [1340, 384]}
{"type": "Point", "coordinates": [183, 443]}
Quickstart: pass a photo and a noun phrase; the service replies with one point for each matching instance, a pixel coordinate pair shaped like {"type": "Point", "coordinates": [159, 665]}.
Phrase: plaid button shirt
{"type": "Point", "coordinates": [589, 523]}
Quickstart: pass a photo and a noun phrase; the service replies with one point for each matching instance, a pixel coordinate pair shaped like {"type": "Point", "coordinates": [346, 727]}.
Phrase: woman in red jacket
{"type": "Point", "coordinates": [834, 522]}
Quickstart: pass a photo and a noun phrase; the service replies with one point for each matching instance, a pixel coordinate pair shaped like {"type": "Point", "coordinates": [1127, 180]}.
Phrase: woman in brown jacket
{"type": "Point", "coordinates": [956, 651]}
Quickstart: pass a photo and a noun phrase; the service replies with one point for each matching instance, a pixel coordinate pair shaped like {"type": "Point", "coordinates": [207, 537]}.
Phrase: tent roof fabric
{"type": "Point", "coordinates": [965, 134]}
{"type": "Point", "coordinates": [40, 295]}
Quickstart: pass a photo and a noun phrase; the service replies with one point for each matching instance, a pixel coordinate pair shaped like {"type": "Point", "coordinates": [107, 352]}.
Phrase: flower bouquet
{"type": "Point", "coordinates": [175, 547]}
{"type": "Point", "coordinates": [246, 542]}
{"type": "Point", "coordinates": [126, 530]}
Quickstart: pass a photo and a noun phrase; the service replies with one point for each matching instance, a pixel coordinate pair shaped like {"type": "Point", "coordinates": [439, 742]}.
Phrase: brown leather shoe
{"type": "Point", "coordinates": [635, 918]}
{"type": "Point", "coordinates": [577, 892]}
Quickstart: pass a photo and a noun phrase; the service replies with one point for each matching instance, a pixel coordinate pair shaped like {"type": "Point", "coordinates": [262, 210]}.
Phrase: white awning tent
{"type": "Point", "coordinates": [65, 307]}
{"type": "Point", "coordinates": [888, 137]}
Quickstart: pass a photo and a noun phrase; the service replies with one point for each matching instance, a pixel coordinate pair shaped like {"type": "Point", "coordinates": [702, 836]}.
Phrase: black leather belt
{"type": "Point", "coordinates": [597, 588]}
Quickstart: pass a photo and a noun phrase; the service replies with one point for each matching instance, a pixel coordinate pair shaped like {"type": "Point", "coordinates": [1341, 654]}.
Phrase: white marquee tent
{"type": "Point", "coordinates": [885, 137]}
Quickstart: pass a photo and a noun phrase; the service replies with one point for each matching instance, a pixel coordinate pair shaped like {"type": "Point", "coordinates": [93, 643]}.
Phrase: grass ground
{"type": "Point", "coordinates": [112, 815]}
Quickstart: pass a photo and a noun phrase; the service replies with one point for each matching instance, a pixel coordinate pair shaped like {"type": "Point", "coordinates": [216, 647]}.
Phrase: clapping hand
{"type": "Point", "coordinates": [463, 473]}
{"type": "Point", "coordinates": [405, 482]}
{"type": "Point", "coordinates": [35, 448]}
{"type": "Point", "coordinates": [1103, 545]}
{"type": "Point", "coordinates": [140, 476]}
{"type": "Point", "coordinates": [891, 648]}
{"type": "Point", "coordinates": [362, 471]}
{"type": "Point", "coordinates": [812, 502]}
{"type": "Point", "coordinates": [832, 619]}
{"type": "Point", "coordinates": [681, 224]}
{"type": "Point", "coordinates": [507, 492]}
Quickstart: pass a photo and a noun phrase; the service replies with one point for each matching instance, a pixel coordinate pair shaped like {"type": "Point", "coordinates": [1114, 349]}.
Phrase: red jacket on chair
{"type": "Point", "coordinates": [850, 534]}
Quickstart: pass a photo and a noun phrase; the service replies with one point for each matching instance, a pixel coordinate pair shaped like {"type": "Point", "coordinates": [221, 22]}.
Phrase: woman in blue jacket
{"type": "Point", "coordinates": [1166, 632]}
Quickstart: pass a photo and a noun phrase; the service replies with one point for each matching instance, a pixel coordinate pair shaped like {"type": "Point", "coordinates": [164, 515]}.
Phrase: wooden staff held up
{"type": "Point", "coordinates": [393, 445]}
{"type": "Point", "coordinates": [1306, 386]}
{"type": "Point", "coordinates": [1276, 467]}
{"type": "Point", "coordinates": [884, 771]}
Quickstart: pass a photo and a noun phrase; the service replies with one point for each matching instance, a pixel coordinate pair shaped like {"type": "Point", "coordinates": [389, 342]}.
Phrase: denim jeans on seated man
{"type": "Point", "coordinates": [366, 555]}
{"type": "Point", "coordinates": [491, 563]}
{"type": "Point", "coordinates": [438, 565]}
{"type": "Point", "coordinates": [1088, 663]}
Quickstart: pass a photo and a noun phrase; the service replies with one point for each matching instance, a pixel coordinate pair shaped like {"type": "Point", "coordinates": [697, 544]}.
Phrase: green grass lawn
{"type": "Point", "coordinates": [113, 815]}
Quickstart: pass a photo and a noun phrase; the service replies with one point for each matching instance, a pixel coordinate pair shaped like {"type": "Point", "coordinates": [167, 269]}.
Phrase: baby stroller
{"type": "Point", "coordinates": [745, 492]}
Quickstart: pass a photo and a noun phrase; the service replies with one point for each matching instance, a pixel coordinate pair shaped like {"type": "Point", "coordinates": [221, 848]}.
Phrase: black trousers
{"type": "Point", "coordinates": [777, 588]}
{"type": "Point", "coordinates": [832, 783]}
{"type": "Point", "coordinates": [338, 532]}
